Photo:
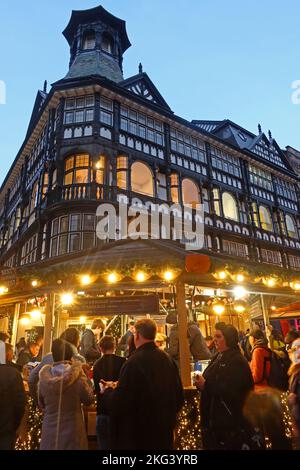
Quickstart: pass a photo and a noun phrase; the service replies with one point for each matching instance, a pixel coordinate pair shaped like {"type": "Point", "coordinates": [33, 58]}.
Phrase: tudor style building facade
{"type": "Point", "coordinates": [95, 136]}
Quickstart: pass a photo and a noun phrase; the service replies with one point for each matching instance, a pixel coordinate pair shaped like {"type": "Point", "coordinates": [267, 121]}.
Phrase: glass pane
{"type": "Point", "coordinates": [68, 178]}
{"type": "Point", "coordinates": [79, 116]}
{"type": "Point", "coordinates": [122, 179]}
{"type": "Point", "coordinates": [82, 161]}
{"type": "Point", "coordinates": [88, 240]}
{"type": "Point", "coordinates": [81, 176]}
{"type": "Point", "coordinates": [64, 224]}
{"type": "Point", "coordinates": [53, 249]}
{"type": "Point", "coordinates": [54, 227]}
{"type": "Point", "coordinates": [69, 163]}
{"type": "Point", "coordinates": [89, 222]}
{"type": "Point", "coordinates": [75, 223]}
{"type": "Point", "coordinates": [99, 176]}
{"type": "Point", "coordinates": [90, 100]}
{"type": "Point", "coordinates": [74, 242]}
{"type": "Point", "coordinates": [63, 244]}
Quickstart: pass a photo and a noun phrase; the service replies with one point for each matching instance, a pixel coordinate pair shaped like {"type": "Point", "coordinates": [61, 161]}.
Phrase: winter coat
{"type": "Point", "coordinates": [107, 368]}
{"type": "Point", "coordinates": [88, 346]}
{"type": "Point", "coordinates": [260, 365]}
{"type": "Point", "coordinates": [33, 378]}
{"type": "Point", "coordinates": [294, 388]}
{"type": "Point", "coordinates": [228, 381]}
{"type": "Point", "coordinates": [12, 404]}
{"type": "Point", "coordinates": [62, 389]}
{"type": "Point", "coordinates": [144, 405]}
{"type": "Point", "coordinates": [198, 347]}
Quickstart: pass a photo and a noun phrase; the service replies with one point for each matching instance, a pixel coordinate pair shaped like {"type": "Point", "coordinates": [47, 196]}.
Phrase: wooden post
{"type": "Point", "coordinates": [184, 348]}
{"type": "Point", "coordinates": [15, 324]}
{"type": "Point", "coordinates": [48, 329]}
{"type": "Point", "coordinates": [265, 315]}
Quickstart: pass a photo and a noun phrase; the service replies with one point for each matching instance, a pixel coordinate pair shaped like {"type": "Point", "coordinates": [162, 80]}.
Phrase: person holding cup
{"type": "Point", "coordinates": [224, 387]}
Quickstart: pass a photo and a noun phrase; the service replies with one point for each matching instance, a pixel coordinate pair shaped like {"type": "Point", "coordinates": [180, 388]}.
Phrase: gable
{"type": "Point", "coordinates": [269, 151]}
{"type": "Point", "coordinates": [39, 101]}
{"type": "Point", "coordinates": [142, 86]}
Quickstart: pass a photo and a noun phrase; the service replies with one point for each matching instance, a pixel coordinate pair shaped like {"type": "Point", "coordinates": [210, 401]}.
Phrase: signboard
{"type": "Point", "coordinates": [122, 305]}
{"type": "Point", "coordinates": [8, 277]}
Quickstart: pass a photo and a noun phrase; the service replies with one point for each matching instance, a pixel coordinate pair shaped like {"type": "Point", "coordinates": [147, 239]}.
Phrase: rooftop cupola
{"type": "Point", "coordinates": [97, 42]}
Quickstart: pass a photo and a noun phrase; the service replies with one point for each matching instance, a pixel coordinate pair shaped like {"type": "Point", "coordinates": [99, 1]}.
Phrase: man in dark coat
{"type": "Point", "coordinates": [12, 402]}
{"type": "Point", "coordinates": [88, 346]}
{"type": "Point", "coordinates": [149, 395]}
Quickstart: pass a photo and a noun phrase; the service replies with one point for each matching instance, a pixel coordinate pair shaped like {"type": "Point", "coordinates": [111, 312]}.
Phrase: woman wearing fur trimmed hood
{"type": "Point", "coordinates": [63, 387]}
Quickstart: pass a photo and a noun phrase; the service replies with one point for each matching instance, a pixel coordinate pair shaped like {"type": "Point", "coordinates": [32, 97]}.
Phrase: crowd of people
{"type": "Point", "coordinates": [136, 384]}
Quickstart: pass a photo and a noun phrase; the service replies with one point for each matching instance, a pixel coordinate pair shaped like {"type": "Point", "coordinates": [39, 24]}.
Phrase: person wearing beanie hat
{"type": "Point", "coordinates": [225, 385]}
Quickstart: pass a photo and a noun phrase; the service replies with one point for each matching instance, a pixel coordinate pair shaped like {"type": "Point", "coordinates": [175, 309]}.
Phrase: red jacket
{"type": "Point", "coordinates": [260, 367]}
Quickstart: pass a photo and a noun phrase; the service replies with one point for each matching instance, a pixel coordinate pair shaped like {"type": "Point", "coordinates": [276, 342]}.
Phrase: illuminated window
{"type": "Point", "coordinates": [216, 201]}
{"type": "Point", "coordinates": [174, 188]}
{"type": "Point", "coordinates": [190, 192]}
{"type": "Point", "coordinates": [100, 168]}
{"type": "Point", "coordinates": [229, 207]}
{"type": "Point", "coordinates": [77, 170]}
{"type": "Point", "coordinates": [122, 167]}
{"type": "Point", "coordinates": [290, 225]}
{"type": "Point", "coordinates": [142, 179]}
{"type": "Point", "coordinates": [265, 219]}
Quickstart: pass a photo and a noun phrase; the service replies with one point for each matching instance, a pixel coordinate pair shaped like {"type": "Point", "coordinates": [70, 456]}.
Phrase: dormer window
{"type": "Point", "coordinates": [89, 40]}
{"type": "Point", "coordinates": [107, 44]}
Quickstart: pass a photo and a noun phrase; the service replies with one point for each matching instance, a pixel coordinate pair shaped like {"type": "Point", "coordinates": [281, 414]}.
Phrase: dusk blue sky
{"type": "Point", "coordinates": [209, 60]}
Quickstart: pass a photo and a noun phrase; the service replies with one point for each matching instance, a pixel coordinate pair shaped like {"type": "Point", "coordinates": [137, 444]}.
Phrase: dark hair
{"type": "Point", "coordinates": [277, 335]}
{"type": "Point", "coordinates": [61, 350]}
{"type": "Point", "coordinates": [21, 343]}
{"type": "Point", "coordinates": [131, 323]}
{"type": "Point", "coordinates": [3, 336]}
{"type": "Point", "coordinates": [291, 336]}
{"type": "Point", "coordinates": [146, 328]}
{"type": "Point", "coordinates": [71, 335]}
{"type": "Point", "coordinates": [258, 334]}
{"type": "Point", "coordinates": [107, 343]}
{"type": "Point", "coordinates": [98, 323]}
{"type": "Point", "coordinates": [208, 338]}
{"type": "Point", "coordinates": [230, 334]}
{"type": "Point", "coordinates": [171, 318]}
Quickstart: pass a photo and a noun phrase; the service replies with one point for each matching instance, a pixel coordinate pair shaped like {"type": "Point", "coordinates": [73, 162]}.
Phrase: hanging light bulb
{"type": "Point", "coordinates": [3, 290]}
{"type": "Point", "coordinates": [239, 292]}
{"type": "Point", "coordinates": [239, 307]}
{"type": "Point", "coordinates": [270, 281]}
{"type": "Point", "coordinates": [35, 314]}
{"type": "Point", "coordinates": [140, 276]}
{"type": "Point", "coordinates": [25, 319]}
{"type": "Point", "coordinates": [86, 280]}
{"type": "Point", "coordinates": [67, 298]}
{"type": "Point", "coordinates": [295, 285]}
{"type": "Point", "coordinates": [240, 278]}
{"type": "Point", "coordinates": [168, 275]}
{"type": "Point", "coordinates": [112, 278]}
{"type": "Point", "coordinates": [218, 307]}
{"type": "Point", "coordinates": [34, 283]}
